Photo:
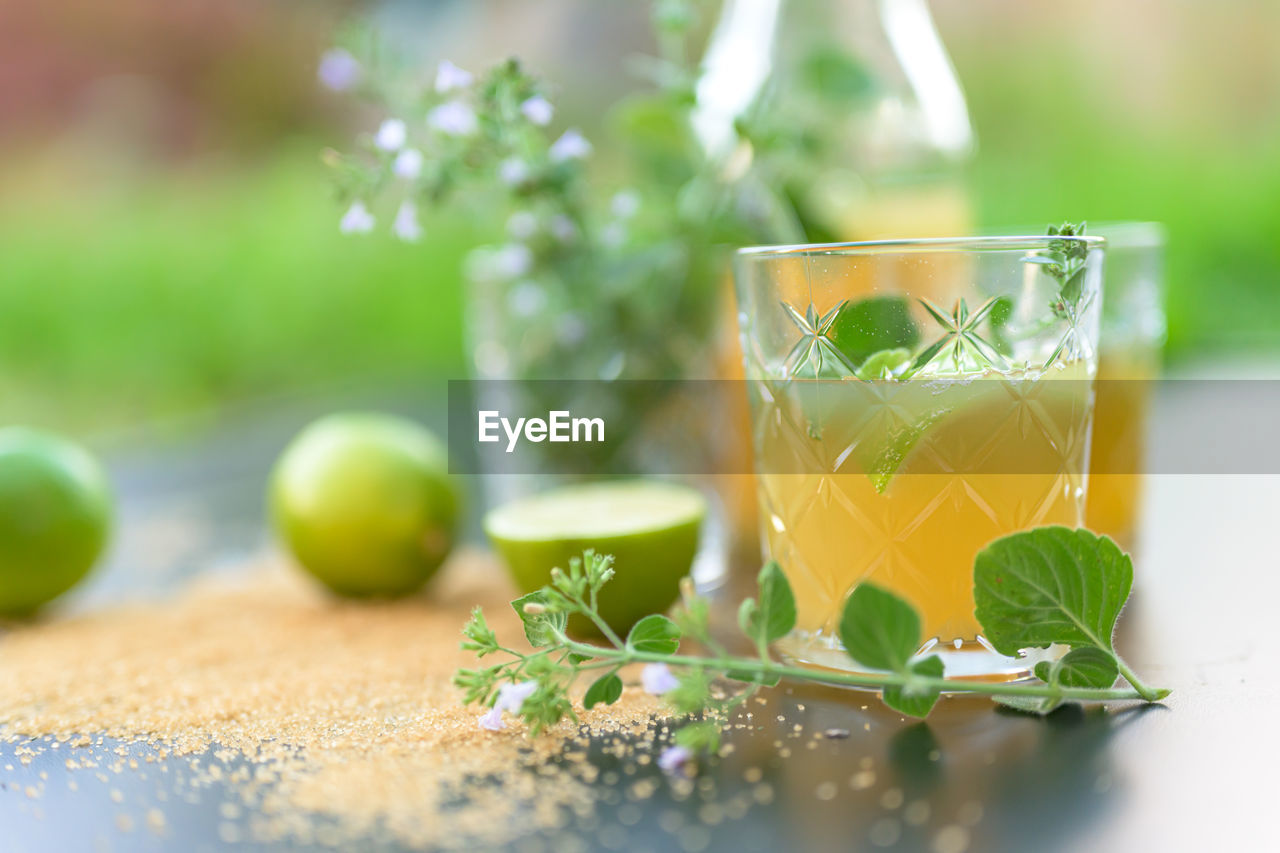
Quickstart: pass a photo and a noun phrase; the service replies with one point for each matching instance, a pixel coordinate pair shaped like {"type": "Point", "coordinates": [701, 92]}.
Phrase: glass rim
{"type": "Point", "coordinates": [916, 244]}
{"type": "Point", "coordinates": [1119, 233]}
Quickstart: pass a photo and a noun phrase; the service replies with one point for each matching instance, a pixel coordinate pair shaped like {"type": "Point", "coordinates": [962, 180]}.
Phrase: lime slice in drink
{"type": "Point", "coordinates": [651, 529]}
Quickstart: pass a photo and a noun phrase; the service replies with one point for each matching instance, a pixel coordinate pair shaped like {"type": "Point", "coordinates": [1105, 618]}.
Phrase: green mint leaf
{"type": "Point", "coordinates": [1029, 704]}
{"type": "Point", "coordinates": [885, 364]}
{"type": "Point", "coordinates": [605, 690]}
{"type": "Point", "coordinates": [1083, 667]}
{"type": "Point", "coordinates": [577, 658]}
{"type": "Point", "coordinates": [656, 634]}
{"type": "Point", "coordinates": [894, 451]}
{"type": "Point", "coordinates": [539, 628]}
{"type": "Point", "coordinates": [775, 613]}
{"type": "Point", "coordinates": [753, 677]}
{"type": "Point", "coordinates": [915, 701]}
{"type": "Point", "coordinates": [1050, 585]}
{"type": "Point", "coordinates": [863, 328]}
{"type": "Point", "coordinates": [879, 629]}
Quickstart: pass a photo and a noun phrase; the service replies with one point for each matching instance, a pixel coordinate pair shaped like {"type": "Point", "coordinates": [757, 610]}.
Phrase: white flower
{"type": "Point", "coordinates": [450, 77]}
{"type": "Point", "coordinates": [527, 298]}
{"type": "Point", "coordinates": [513, 171]}
{"type": "Point", "coordinates": [522, 225]}
{"type": "Point", "coordinates": [572, 330]}
{"type": "Point", "coordinates": [657, 679]}
{"type": "Point", "coordinates": [492, 720]}
{"type": "Point", "coordinates": [625, 204]}
{"type": "Point", "coordinates": [613, 235]}
{"type": "Point", "coordinates": [674, 759]}
{"type": "Point", "coordinates": [357, 219]}
{"type": "Point", "coordinates": [512, 261]}
{"type": "Point", "coordinates": [563, 229]}
{"type": "Point", "coordinates": [406, 225]}
{"type": "Point", "coordinates": [338, 70]}
{"type": "Point", "coordinates": [511, 696]}
{"type": "Point", "coordinates": [408, 164]}
{"type": "Point", "coordinates": [454, 118]}
{"type": "Point", "coordinates": [391, 135]}
{"type": "Point", "coordinates": [571, 145]}
{"type": "Point", "coordinates": [538, 110]}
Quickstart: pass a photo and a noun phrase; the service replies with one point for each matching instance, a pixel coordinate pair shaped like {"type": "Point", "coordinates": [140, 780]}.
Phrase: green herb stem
{"type": "Point", "coordinates": [623, 656]}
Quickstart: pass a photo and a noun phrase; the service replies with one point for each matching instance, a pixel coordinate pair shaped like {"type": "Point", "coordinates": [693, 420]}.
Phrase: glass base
{"type": "Point", "coordinates": [972, 660]}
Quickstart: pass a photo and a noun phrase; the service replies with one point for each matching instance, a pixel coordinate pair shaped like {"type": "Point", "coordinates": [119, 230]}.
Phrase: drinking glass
{"type": "Point", "coordinates": [912, 401]}
{"type": "Point", "coordinates": [1132, 337]}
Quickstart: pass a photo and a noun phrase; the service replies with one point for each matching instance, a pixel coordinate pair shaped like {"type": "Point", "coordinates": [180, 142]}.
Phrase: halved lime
{"type": "Point", "coordinates": [650, 527]}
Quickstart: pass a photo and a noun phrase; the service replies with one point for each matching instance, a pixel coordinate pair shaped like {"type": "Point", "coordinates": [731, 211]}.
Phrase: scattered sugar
{"type": "Point", "coordinates": [305, 706]}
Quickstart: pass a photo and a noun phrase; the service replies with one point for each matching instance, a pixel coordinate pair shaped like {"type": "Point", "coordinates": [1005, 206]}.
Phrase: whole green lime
{"type": "Point", "coordinates": [650, 527]}
{"type": "Point", "coordinates": [366, 504]}
{"type": "Point", "coordinates": [55, 512]}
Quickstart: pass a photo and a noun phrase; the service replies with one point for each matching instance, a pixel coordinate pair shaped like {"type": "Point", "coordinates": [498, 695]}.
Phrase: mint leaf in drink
{"type": "Point", "coordinates": [915, 700]}
{"type": "Point", "coordinates": [863, 328]}
{"type": "Point", "coordinates": [885, 364]}
{"type": "Point", "coordinates": [540, 624]}
{"type": "Point", "coordinates": [774, 614]}
{"type": "Point", "coordinates": [879, 630]}
{"type": "Point", "coordinates": [604, 691]}
{"type": "Point", "coordinates": [1050, 585]}
{"type": "Point", "coordinates": [656, 634]}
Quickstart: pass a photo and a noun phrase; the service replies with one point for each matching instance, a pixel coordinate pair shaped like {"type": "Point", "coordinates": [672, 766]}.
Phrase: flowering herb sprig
{"type": "Point", "coordinates": [1033, 589]}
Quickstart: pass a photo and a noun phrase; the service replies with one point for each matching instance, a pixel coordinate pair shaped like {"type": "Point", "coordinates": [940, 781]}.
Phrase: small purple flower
{"type": "Point", "coordinates": [527, 298]}
{"type": "Point", "coordinates": [512, 261]}
{"type": "Point", "coordinates": [338, 71]}
{"type": "Point", "coordinates": [391, 135]}
{"type": "Point", "coordinates": [450, 77]}
{"type": "Point", "coordinates": [675, 759]}
{"type": "Point", "coordinates": [357, 219]}
{"type": "Point", "coordinates": [454, 118]}
{"type": "Point", "coordinates": [522, 225]}
{"type": "Point", "coordinates": [538, 110]}
{"type": "Point", "coordinates": [513, 171]}
{"type": "Point", "coordinates": [625, 204]}
{"type": "Point", "coordinates": [511, 696]}
{"type": "Point", "coordinates": [657, 679]}
{"type": "Point", "coordinates": [406, 225]}
{"type": "Point", "coordinates": [563, 229]}
{"type": "Point", "coordinates": [572, 145]}
{"type": "Point", "coordinates": [408, 164]}
{"type": "Point", "coordinates": [492, 720]}
{"type": "Point", "coordinates": [613, 235]}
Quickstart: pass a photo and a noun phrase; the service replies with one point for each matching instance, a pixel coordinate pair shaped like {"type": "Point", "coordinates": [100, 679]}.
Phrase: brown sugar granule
{"type": "Point", "coordinates": [309, 707]}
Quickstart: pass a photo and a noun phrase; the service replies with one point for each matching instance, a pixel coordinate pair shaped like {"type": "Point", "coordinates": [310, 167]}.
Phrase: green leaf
{"type": "Point", "coordinates": [655, 633]}
{"type": "Point", "coordinates": [884, 364]}
{"type": "Point", "coordinates": [879, 629]}
{"type": "Point", "coordinates": [775, 613]}
{"type": "Point", "coordinates": [1029, 704]}
{"type": "Point", "coordinates": [1050, 585]}
{"type": "Point", "coordinates": [577, 658]}
{"type": "Point", "coordinates": [539, 628]}
{"type": "Point", "coordinates": [915, 701]}
{"type": "Point", "coordinates": [863, 328]}
{"type": "Point", "coordinates": [1083, 667]}
{"type": "Point", "coordinates": [605, 690]}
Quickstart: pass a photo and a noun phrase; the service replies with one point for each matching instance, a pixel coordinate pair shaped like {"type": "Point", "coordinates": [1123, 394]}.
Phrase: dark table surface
{"type": "Point", "coordinates": [1196, 773]}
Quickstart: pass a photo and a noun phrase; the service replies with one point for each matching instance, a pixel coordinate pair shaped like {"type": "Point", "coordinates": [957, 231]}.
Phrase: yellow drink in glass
{"type": "Point", "coordinates": [894, 439]}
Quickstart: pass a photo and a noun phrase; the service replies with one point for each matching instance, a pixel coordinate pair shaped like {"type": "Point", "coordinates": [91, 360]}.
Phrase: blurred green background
{"type": "Point", "coordinates": [168, 236]}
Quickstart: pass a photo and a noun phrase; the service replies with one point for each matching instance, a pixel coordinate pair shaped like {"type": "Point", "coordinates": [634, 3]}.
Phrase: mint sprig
{"type": "Point", "coordinates": [1033, 589]}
